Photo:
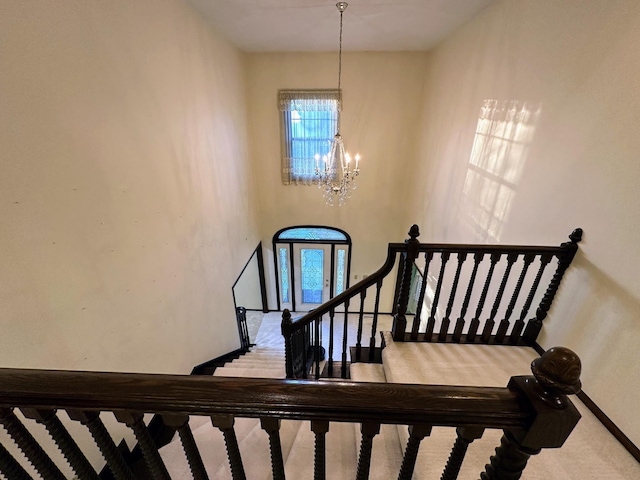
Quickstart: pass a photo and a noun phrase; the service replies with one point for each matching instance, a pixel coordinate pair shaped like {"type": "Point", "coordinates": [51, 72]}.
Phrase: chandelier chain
{"type": "Point", "coordinates": [340, 53]}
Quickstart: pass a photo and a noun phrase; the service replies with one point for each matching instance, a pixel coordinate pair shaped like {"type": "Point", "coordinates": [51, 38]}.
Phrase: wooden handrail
{"type": "Point", "coordinates": [524, 410]}
{"type": "Point", "coordinates": [491, 407]}
{"type": "Point", "coordinates": [396, 248]}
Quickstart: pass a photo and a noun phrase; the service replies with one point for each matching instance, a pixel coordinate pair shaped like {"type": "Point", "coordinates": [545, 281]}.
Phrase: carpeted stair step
{"type": "Point", "coordinates": [255, 453]}
{"type": "Point", "coordinates": [265, 351]}
{"type": "Point", "coordinates": [210, 443]}
{"type": "Point", "coordinates": [266, 355]}
{"type": "Point", "coordinates": [250, 372]}
{"type": "Point", "coordinates": [266, 362]}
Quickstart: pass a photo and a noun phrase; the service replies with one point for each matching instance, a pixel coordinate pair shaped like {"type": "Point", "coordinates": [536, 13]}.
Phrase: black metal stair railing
{"type": "Point", "coordinates": [498, 280]}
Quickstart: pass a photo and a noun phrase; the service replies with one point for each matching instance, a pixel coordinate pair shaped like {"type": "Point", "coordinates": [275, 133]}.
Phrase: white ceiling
{"type": "Point", "coordinates": [314, 25]}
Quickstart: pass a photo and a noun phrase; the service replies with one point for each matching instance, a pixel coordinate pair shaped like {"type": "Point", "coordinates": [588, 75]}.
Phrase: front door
{"type": "Point", "coordinates": [312, 266]}
{"type": "Point", "coordinates": [312, 271]}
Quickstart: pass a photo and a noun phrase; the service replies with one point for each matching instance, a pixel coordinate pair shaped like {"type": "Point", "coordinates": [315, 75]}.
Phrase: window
{"type": "Point", "coordinates": [312, 233]}
{"type": "Point", "coordinates": [309, 121]}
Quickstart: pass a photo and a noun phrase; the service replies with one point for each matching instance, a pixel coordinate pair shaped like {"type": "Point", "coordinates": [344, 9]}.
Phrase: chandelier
{"type": "Point", "coordinates": [336, 172]}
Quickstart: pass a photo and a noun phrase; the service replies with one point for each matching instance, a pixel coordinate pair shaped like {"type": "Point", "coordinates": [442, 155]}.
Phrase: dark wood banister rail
{"type": "Point", "coordinates": [523, 331]}
{"type": "Point", "coordinates": [533, 411]}
{"type": "Point", "coordinates": [251, 397]}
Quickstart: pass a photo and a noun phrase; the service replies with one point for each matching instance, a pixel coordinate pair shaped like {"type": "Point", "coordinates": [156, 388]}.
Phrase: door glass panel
{"type": "Point", "coordinates": [284, 274]}
{"type": "Point", "coordinates": [312, 274]}
{"type": "Point", "coordinates": [340, 268]}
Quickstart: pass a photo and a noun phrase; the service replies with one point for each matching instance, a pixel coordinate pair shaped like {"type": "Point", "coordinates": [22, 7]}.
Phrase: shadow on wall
{"type": "Point", "coordinates": [598, 318]}
{"type": "Point", "coordinates": [500, 148]}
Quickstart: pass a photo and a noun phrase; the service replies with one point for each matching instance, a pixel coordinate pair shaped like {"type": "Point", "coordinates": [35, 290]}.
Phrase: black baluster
{"type": "Point", "coordinates": [489, 324]}
{"type": "Point", "coordinates": [135, 421]}
{"type": "Point", "coordinates": [504, 323]}
{"type": "Point", "coordinates": [225, 424]}
{"type": "Point", "coordinates": [306, 342]}
{"type": "Point", "coordinates": [10, 467]}
{"type": "Point", "coordinates": [64, 441]}
{"type": "Point", "coordinates": [457, 333]}
{"type": "Point", "coordinates": [444, 328]}
{"type": "Point", "coordinates": [285, 329]}
{"type": "Point", "coordinates": [330, 359]}
{"type": "Point", "coordinates": [320, 429]}
{"type": "Point", "coordinates": [317, 356]}
{"type": "Point", "coordinates": [363, 294]}
{"type": "Point", "coordinates": [374, 322]}
{"type": "Point", "coordinates": [241, 317]}
{"type": "Point", "coordinates": [416, 434]}
{"type": "Point", "coordinates": [345, 331]}
{"type": "Point", "coordinates": [535, 325]}
{"type": "Point", "coordinates": [465, 435]}
{"type": "Point", "coordinates": [29, 446]}
{"type": "Point", "coordinates": [519, 324]}
{"type": "Point", "coordinates": [400, 320]}
{"type": "Point", "coordinates": [475, 321]}
{"type": "Point", "coordinates": [509, 461]}
{"type": "Point", "coordinates": [272, 427]}
{"type": "Point", "coordinates": [423, 288]}
{"type": "Point", "coordinates": [113, 457]}
{"type": "Point", "coordinates": [431, 322]}
{"type": "Point", "coordinates": [181, 424]}
{"type": "Point", "coordinates": [368, 430]}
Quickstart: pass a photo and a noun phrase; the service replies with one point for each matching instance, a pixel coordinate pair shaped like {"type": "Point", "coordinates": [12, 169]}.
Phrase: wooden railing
{"type": "Point", "coordinates": [524, 410]}
{"type": "Point", "coordinates": [458, 278]}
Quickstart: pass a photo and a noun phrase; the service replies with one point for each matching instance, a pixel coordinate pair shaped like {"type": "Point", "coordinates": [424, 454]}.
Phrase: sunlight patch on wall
{"type": "Point", "coordinates": [500, 148]}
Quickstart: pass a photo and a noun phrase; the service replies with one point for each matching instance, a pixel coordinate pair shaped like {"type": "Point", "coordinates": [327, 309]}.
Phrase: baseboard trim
{"type": "Point", "coordinates": [610, 425]}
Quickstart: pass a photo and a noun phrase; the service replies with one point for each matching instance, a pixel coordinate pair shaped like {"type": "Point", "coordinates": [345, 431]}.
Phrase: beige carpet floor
{"type": "Point", "coordinates": [591, 452]}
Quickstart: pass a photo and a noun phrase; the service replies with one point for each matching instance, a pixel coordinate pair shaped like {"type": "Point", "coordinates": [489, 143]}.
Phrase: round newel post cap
{"type": "Point", "coordinates": [558, 369]}
{"type": "Point", "coordinates": [286, 322]}
{"type": "Point", "coordinates": [576, 235]}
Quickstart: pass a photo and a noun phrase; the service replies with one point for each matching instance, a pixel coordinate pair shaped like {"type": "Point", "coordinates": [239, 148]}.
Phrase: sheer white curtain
{"type": "Point", "coordinates": [309, 121]}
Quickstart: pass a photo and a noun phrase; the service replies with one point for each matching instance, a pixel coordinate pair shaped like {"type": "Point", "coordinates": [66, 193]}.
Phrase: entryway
{"type": "Point", "coordinates": [312, 265]}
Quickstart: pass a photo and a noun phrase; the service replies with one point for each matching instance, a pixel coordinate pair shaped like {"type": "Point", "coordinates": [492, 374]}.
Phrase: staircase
{"type": "Point", "coordinates": [266, 360]}
{"type": "Point", "coordinates": [408, 362]}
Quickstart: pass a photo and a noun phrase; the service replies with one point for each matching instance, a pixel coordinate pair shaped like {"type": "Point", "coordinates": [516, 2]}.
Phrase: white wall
{"type": "Point", "coordinates": [576, 65]}
{"type": "Point", "coordinates": [125, 206]}
{"type": "Point", "coordinates": [246, 291]}
{"type": "Point", "coordinates": [381, 95]}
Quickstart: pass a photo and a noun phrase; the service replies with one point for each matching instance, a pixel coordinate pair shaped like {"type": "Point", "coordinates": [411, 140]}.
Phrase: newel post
{"type": "Point", "coordinates": [409, 258]}
{"type": "Point", "coordinates": [556, 374]}
{"type": "Point", "coordinates": [535, 324]}
{"type": "Point", "coordinates": [285, 328]}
